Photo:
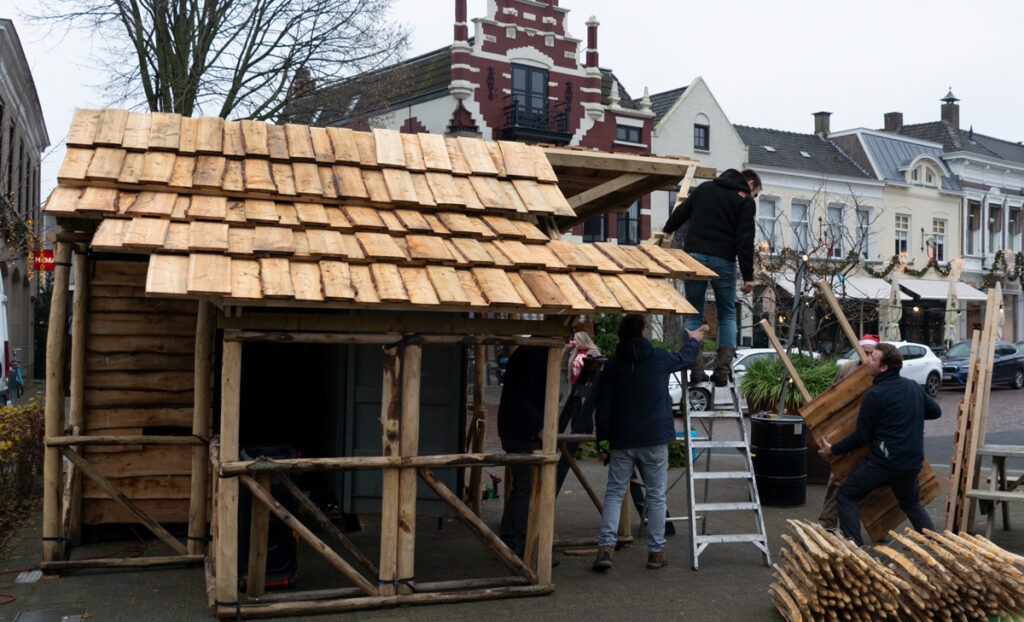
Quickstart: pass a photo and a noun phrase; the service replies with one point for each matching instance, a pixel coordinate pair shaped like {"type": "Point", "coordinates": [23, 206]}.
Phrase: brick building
{"type": "Point", "coordinates": [520, 76]}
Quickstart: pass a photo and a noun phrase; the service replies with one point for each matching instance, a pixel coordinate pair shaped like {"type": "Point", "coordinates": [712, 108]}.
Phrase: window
{"type": "Point", "coordinates": [902, 233]}
{"type": "Point", "coordinates": [798, 218]}
{"type": "Point", "coordinates": [995, 228]}
{"type": "Point", "coordinates": [701, 137]}
{"type": "Point", "coordinates": [769, 228]}
{"type": "Point", "coordinates": [628, 133]}
{"type": "Point", "coordinates": [836, 230]}
{"type": "Point", "coordinates": [912, 352]}
{"type": "Point", "coordinates": [914, 175]}
{"type": "Point", "coordinates": [594, 229]}
{"type": "Point", "coordinates": [939, 239]}
{"type": "Point", "coordinates": [1013, 234]}
{"type": "Point", "coordinates": [673, 196]}
{"type": "Point", "coordinates": [864, 232]}
{"type": "Point", "coordinates": [929, 178]}
{"type": "Point", "coordinates": [973, 227]}
{"type": "Point", "coordinates": [628, 225]}
{"type": "Point", "coordinates": [529, 96]}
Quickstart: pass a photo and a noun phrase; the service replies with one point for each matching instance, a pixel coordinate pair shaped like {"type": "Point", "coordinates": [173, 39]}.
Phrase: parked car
{"type": "Point", "coordinates": [920, 364]}
{"type": "Point", "coordinates": [704, 396]}
{"type": "Point", "coordinates": [1007, 365]}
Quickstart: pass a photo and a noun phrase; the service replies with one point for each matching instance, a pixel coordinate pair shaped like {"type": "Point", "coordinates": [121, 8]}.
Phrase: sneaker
{"type": "Point", "coordinates": [657, 560]}
{"type": "Point", "coordinates": [604, 558]}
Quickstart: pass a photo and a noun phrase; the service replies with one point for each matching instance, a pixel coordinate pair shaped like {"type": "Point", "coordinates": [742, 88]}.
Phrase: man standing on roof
{"type": "Point", "coordinates": [721, 231]}
{"type": "Point", "coordinates": [634, 414]}
{"type": "Point", "coordinates": [829, 517]}
{"type": "Point", "coordinates": [891, 423]}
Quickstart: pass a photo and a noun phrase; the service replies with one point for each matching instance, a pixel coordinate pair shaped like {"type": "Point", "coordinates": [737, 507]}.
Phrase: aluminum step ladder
{"type": "Point", "coordinates": [699, 449]}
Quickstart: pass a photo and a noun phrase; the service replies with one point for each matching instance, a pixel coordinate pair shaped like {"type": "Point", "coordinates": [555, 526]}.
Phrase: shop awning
{"type": "Point", "coordinates": [933, 289]}
{"type": "Point", "coordinates": [859, 287]}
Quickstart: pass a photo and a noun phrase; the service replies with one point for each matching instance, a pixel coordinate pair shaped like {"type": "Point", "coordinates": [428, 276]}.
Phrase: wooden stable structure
{"type": "Point", "coordinates": [194, 241]}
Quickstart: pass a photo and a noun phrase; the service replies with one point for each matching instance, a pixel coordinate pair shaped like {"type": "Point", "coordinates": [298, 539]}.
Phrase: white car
{"type": "Point", "coordinates": [701, 395]}
{"type": "Point", "coordinates": [919, 364]}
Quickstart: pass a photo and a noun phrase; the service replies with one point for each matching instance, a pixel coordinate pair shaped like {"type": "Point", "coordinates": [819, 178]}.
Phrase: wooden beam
{"type": "Point", "coordinates": [76, 414]}
{"type": "Point", "coordinates": [56, 339]}
{"type": "Point", "coordinates": [377, 338]}
{"type": "Point", "coordinates": [602, 160]}
{"type": "Point", "coordinates": [477, 526]}
{"type": "Point", "coordinates": [226, 541]}
{"type": "Point", "coordinates": [124, 501]}
{"type": "Point", "coordinates": [455, 324]}
{"type": "Point", "coordinates": [785, 361]}
{"type": "Point", "coordinates": [202, 401]}
{"type": "Point", "coordinates": [826, 291]}
{"type": "Point", "coordinates": [377, 602]}
{"type": "Point", "coordinates": [412, 357]}
{"type": "Point", "coordinates": [325, 523]}
{"type": "Point", "coordinates": [541, 528]}
{"type": "Point", "coordinates": [123, 562]}
{"type": "Point", "coordinates": [259, 527]}
{"type": "Point", "coordinates": [100, 441]}
{"type": "Point", "coordinates": [304, 465]}
{"type": "Point", "coordinates": [390, 445]}
{"type": "Point", "coordinates": [612, 185]}
{"type": "Point", "coordinates": [265, 498]}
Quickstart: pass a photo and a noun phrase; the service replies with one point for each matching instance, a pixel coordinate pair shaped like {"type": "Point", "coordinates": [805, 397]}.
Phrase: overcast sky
{"type": "Point", "coordinates": [770, 63]}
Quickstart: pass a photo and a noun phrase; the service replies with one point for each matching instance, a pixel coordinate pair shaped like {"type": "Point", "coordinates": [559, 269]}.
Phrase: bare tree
{"type": "Point", "coordinates": [234, 58]}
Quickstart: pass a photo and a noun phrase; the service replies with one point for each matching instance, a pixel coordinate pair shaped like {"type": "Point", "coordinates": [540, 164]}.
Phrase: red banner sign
{"type": "Point", "coordinates": [43, 260]}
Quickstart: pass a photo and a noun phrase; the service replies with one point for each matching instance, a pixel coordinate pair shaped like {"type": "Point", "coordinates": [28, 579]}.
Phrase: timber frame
{"type": "Point", "coordinates": [247, 232]}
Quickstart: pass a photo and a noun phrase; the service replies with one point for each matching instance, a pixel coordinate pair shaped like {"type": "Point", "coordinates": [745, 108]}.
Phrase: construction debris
{"type": "Point", "coordinates": [929, 576]}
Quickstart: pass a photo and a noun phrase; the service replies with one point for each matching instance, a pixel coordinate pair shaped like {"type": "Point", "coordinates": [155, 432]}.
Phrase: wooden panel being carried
{"type": "Point", "coordinates": [833, 415]}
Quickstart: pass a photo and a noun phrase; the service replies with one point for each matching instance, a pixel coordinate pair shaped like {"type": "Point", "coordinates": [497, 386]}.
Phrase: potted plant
{"type": "Point", "coordinates": [762, 383]}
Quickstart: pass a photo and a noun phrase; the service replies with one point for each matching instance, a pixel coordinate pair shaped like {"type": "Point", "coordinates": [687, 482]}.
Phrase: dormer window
{"type": "Point", "coordinates": [914, 175]}
{"type": "Point", "coordinates": [929, 178]}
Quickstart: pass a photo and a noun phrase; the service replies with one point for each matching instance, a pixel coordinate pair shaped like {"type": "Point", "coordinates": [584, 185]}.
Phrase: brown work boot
{"type": "Point", "coordinates": [604, 558]}
{"type": "Point", "coordinates": [657, 560]}
{"type": "Point", "coordinates": [723, 366]}
{"type": "Point", "coordinates": [697, 374]}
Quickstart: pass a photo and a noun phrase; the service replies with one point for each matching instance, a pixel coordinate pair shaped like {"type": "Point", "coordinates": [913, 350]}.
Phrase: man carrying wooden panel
{"type": "Point", "coordinates": [891, 424]}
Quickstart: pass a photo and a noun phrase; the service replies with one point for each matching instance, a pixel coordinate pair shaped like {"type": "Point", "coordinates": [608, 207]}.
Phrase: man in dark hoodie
{"type": "Point", "coordinates": [891, 423]}
{"type": "Point", "coordinates": [634, 414]}
{"type": "Point", "coordinates": [520, 420]}
{"type": "Point", "coordinates": [721, 231]}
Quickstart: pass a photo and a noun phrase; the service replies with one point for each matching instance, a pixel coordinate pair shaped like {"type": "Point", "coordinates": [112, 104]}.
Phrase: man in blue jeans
{"type": "Point", "coordinates": [634, 414]}
{"type": "Point", "coordinates": [891, 424]}
{"type": "Point", "coordinates": [720, 214]}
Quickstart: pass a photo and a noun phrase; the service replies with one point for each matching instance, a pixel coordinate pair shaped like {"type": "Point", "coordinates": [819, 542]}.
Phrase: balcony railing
{"type": "Point", "coordinates": [549, 124]}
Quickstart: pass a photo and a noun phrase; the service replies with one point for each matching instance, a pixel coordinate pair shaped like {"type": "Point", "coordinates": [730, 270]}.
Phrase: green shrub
{"type": "Point", "coordinates": [21, 457]}
{"type": "Point", "coordinates": [762, 383]}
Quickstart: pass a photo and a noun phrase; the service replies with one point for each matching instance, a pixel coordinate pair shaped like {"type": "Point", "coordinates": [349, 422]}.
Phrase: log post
{"type": "Point", "coordinates": [540, 531]}
{"type": "Point", "coordinates": [76, 416]}
{"type": "Point", "coordinates": [256, 582]}
{"type": "Point", "coordinates": [795, 377]}
{"type": "Point", "coordinates": [227, 496]}
{"type": "Point", "coordinates": [390, 446]}
{"type": "Point", "coordinates": [56, 338]}
{"type": "Point", "coordinates": [479, 423]}
{"type": "Point", "coordinates": [203, 395]}
{"type": "Point", "coordinates": [410, 438]}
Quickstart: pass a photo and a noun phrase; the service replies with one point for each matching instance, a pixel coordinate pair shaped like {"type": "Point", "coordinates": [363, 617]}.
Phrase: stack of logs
{"type": "Point", "coordinates": [935, 576]}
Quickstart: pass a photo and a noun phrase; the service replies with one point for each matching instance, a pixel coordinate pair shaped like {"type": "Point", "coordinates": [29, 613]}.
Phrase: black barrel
{"type": "Point", "coordinates": [779, 449]}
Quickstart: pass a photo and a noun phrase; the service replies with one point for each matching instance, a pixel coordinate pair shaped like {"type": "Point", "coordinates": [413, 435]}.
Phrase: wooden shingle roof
{"type": "Point", "coordinates": [251, 213]}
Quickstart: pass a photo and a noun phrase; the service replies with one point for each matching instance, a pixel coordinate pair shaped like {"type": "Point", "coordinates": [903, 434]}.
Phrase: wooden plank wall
{"type": "Point", "coordinates": [139, 362]}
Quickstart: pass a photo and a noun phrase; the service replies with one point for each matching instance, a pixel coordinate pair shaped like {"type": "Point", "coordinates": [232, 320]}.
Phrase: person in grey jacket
{"type": "Point", "coordinates": [891, 424]}
{"type": "Point", "coordinates": [634, 414]}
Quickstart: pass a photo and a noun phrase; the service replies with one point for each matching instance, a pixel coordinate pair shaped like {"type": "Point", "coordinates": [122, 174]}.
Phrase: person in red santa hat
{"type": "Point", "coordinates": [829, 517]}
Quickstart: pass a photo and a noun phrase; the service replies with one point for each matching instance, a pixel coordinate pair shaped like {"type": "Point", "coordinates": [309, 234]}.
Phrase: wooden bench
{"type": "Point", "coordinates": [1000, 491]}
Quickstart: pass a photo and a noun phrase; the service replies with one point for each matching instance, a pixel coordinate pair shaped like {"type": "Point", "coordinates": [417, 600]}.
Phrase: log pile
{"type": "Point", "coordinates": [918, 576]}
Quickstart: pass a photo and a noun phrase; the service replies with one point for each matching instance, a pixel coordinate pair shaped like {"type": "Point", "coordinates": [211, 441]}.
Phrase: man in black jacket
{"type": "Point", "coordinates": [721, 231]}
{"type": "Point", "coordinates": [520, 420]}
{"type": "Point", "coordinates": [891, 423]}
{"type": "Point", "coordinates": [634, 414]}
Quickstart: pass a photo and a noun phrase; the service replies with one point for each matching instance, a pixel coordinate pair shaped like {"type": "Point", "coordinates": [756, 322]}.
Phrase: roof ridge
{"type": "Point", "coordinates": [768, 129]}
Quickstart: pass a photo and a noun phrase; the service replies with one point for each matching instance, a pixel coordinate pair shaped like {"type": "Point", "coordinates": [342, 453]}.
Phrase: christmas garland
{"type": "Point", "coordinates": [824, 268]}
